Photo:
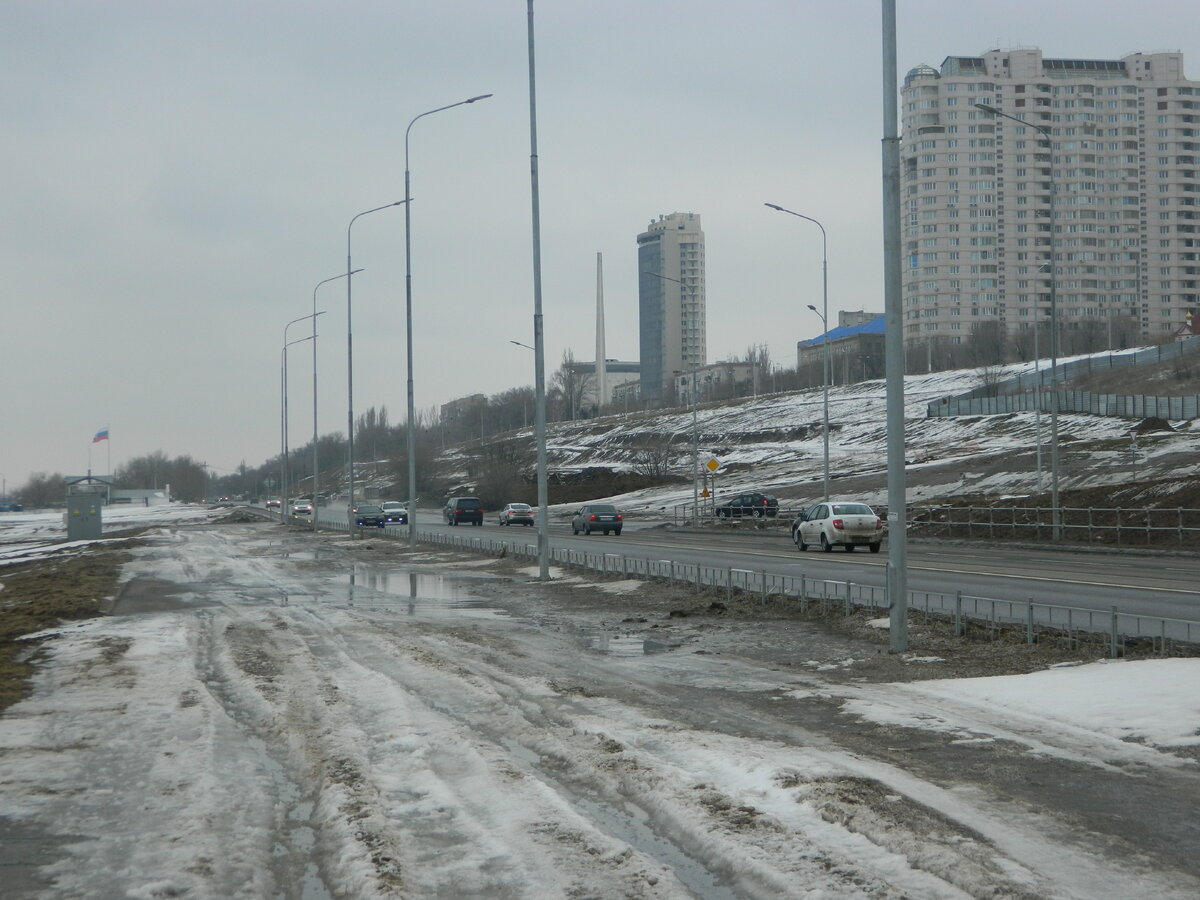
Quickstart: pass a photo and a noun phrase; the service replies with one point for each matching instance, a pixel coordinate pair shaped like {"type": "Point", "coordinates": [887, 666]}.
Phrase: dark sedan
{"type": "Point", "coordinates": [367, 514]}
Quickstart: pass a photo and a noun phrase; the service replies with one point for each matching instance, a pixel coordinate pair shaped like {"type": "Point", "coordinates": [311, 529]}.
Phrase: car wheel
{"type": "Point", "coordinates": [617, 532]}
{"type": "Point", "coordinates": [800, 545]}
{"type": "Point", "coordinates": [574, 530]}
{"type": "Point", "coordinates": [825, 545]}
{"type": "Point", "coordinates": [758, 513]}
{"type": "Point", "coordinates": [587, 529]}
{"type": "Point", "coordinates": [875, 547]}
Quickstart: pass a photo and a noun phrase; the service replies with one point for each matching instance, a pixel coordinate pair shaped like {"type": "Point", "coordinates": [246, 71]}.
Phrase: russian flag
{"type": "Point", "coordinates": [101, 435]}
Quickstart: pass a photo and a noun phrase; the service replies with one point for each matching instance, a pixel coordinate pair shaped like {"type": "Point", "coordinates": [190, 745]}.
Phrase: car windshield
{"type": "Point", "coordinates": [599, 508]}
{"type": "Point", "coordinates": [369, 509]}
{"type": "Point", "coordinates": [851, 509]}
{"type": "Point", "coordinates": [519, 507]}
{"type": "Point", "coordinates": [393, 505]}
{"type": "Point", "coordinates": [467, 504]}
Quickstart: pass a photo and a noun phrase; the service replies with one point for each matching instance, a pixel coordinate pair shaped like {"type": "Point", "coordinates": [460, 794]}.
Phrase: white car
{"type": "Point", "coordinates": [395, 511]}
{"type": "Point", "coordinates": [838, 523]}
{"type": "Point", "coordinates": [302, 508]}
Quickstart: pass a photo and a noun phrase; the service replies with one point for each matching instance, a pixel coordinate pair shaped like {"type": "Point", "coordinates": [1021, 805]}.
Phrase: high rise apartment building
{"type": "Point", "coordinates": [671, 305]}
{"type": "Point", "coordinates": [977, 191]}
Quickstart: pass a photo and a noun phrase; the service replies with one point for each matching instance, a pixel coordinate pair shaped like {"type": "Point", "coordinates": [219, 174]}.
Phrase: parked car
{"type": "Point", "coordinates": [516, 514]}
{"type": "Point", "coordinates": [752, 503]}
{"type": "Point", "coordinates": [597, 517]}
{"type": "Point", "coordinates": [274, 503]}
{"type": "Point", "coordinates": [302, 508]}
{"type": "Point", "coordinates": [394, 511]}
{"type": "Point", "coordinates": [463, 509]}
{"type": "Point", "coordinates": [838, 523]}
{"type": "Point", "coordinates": [368, 514]}
{"type": "Point", "coordinates": [10, 506]}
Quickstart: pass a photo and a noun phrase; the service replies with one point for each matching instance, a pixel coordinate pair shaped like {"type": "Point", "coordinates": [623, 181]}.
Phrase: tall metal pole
{"type": "Point", "coordinates": [350, 365]}
{"type": "Point", "coordinates": [412, 440]}
{"type": "Point", "coordinates": [1044, 131]}
{"type": "Point", "coordinates": [283, 478]}
{"type": "Point", "coordinates": [897, 564]}
{"type": "Point", "coordinates": [539, 352]}
{"type": "Point", "coordinates": [827, 366]}
{"type": "Point", "coordinates": [314, 352]}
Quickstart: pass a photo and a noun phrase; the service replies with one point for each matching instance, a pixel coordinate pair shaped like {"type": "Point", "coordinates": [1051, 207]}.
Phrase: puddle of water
{"type": "Point", "coordinates": [624, 645]}
{"type": "Point", "coordinates": [381, 589]}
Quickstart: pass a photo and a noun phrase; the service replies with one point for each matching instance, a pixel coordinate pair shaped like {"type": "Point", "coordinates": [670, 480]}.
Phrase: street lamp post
{"type": "Point", "coordinates": [283, 480]}
{"type": "Point", "coordinates": [350, 363]}
{"type": "Point", "coordinates": [314, 376]}
{"type": "Point", "coordinates": [825, 396]}
{"type": "Point", "coordinates": [412, 443]}
{"type": "Point", "coordinates": [828, 364]}
{"type": "Point", "coordinates": [695, 424]}
{"type": "Point", "coordinates": [1044, 131]}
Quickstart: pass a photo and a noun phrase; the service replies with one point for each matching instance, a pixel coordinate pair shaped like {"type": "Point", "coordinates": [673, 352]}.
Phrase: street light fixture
{"type": "Point", "coordinates": [695, 426]}
{"type": "Point", "coordinates": [314, 375]}
{"type": "Point", "coordinates": [350, 361]}
{"type": "Point", "coordinates": [827, 374]}
{"type": "Point", "coordinates": [412, 443]}
{"type": "Point", "coordinates": [1055, 510]}
{"type": "Point", "coordinates": [283, 467]}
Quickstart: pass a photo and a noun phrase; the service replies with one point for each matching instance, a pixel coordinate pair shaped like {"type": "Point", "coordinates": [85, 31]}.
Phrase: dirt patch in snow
{"type": "Point", "coordinates": [41, 594]}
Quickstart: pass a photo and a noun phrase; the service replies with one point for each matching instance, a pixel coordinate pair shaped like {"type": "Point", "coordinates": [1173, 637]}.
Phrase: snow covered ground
{"type": "Point", "coordinates": [775, 443]}
{"type": "Point", "coordinates": [282, 714]}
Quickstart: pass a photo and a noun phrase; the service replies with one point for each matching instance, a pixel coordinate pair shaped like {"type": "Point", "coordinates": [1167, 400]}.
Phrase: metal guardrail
{"type": "Point", "coordinates": [1027, 392]}
{"type": "Point", "coordinates": [1137, 406]}
{"type": "Point", "coordinates": [1093, 525]}
{"type": "Point", "coordinates": [1117, 628]}
{"type": "Point", "coordinates": [1121, 526]}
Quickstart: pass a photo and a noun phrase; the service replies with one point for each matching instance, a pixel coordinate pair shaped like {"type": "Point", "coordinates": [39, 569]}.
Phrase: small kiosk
{"type": "Point", "coordinates": [86, 496]}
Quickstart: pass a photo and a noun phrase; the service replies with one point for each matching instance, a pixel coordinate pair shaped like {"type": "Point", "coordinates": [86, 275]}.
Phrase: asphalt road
{"type": "Point", "coordinates": [1136, 583]}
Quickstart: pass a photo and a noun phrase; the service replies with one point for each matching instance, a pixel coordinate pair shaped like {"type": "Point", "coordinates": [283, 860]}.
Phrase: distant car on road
{"type": "Point", "coordinates": [463, 509]}
{"type": "Point", "coordinates": [516, 514]}
{"type": "Point", "coordinates": [274, 503]}
{"type": "Point", "coordinates": [838, 523]}
{"type": "Point", "coordinates": [302, 508]}
{"type": "Point", "coordinates": [597, 517]}
{"type": "Point", "coordinates": [754, 504]}
{"type": "Point", "coordinates": [10, 506]}
{"type": "Point", "coordinates": [394, 512]}
{"type": "Point", "coordinates": [368, 514]}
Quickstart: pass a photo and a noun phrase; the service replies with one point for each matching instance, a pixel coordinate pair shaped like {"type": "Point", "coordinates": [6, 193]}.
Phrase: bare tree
{"type": "Point", "coordinates": [654, 460]}
{"type": "Point", "coordinates": [571, 384]}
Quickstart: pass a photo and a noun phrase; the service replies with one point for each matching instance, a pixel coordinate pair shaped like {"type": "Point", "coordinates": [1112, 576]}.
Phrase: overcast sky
{"type": "Point", "coordinates": [178, 177]}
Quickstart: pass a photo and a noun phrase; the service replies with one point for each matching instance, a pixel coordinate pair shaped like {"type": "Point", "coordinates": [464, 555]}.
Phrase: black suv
{"type": "Point", "coordinates": [753, 503]}
{"type": "Point", "coordinates": [463, 509]}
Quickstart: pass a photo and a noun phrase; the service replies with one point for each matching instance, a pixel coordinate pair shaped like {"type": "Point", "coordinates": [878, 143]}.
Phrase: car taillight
{"type": "Point", "coordinates": [839, 524]}
{"type": "Point", "coordinates": [592, 517]}
{"type": "Point", "coordinates": [879, 523]}
{"type": "Point", "coordinates": [618, 517]}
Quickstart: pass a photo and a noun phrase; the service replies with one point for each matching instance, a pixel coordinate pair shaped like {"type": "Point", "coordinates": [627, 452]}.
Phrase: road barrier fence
{"type": "Point", "coordinates": [1119, 630]}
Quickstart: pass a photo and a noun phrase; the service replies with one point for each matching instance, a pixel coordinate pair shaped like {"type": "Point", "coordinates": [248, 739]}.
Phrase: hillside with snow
{"type": "Point", "coordinates": [774, 443]}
